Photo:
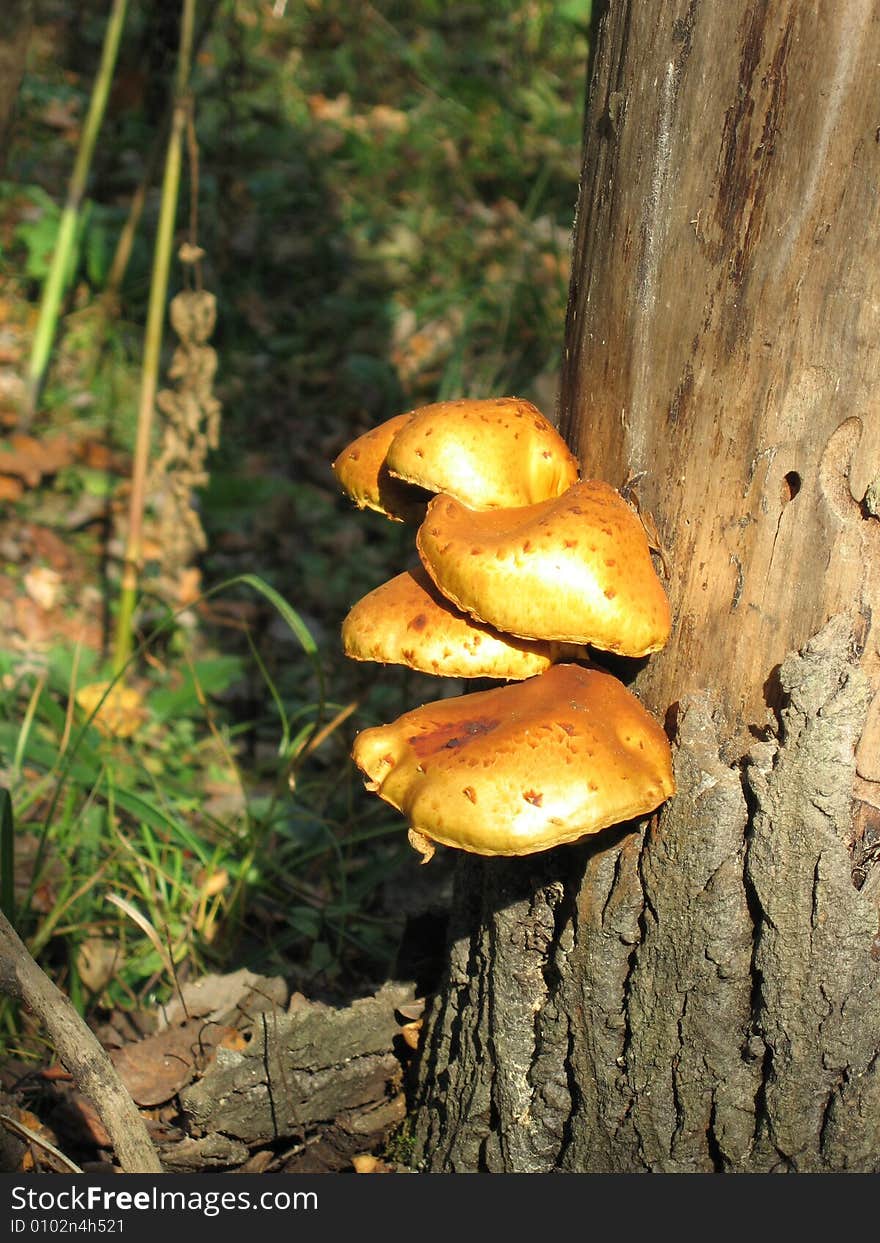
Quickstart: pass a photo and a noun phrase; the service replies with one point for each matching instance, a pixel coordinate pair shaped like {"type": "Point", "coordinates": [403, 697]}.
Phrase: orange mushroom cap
{"type": "Point", "coordinates": [576, 569]}
{"type": "Point", "coordinates": [522, 768]}
{"type": "Point", "coordinates": [488, 453]}
{"type": "Point", "coordinates": [407, 621]}
{"type": "Point", "coordinates": [361, 470]}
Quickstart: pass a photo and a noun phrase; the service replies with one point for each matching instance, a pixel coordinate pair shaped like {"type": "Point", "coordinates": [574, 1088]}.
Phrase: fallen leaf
{"type": "Point", "coordinates": [10, 348]}
{"type": "Point", "coordinates": [333, 110]}
{"type": "Point", "coordinates": [156, 1068]}
{"type": "Point", "coordinates": [213, 883]}
{"type": "Point", "coordinates": [121, 714]}
{"type": "Point", "coordinates": [61, 114]}
{"type": "Point", "coordinates": [47, 546]}
{"type": "Point", "coordinates": [10, 489]}
{"type": "Point", "coordinates": [32, 1154]}
{"type": "Point", "coordinates": [31, 622]}
{"type": "Point", "coordinates": [189, 586]}
{"type": "Point", "coordinates": [56, 1074]}
{"type": "Point", "coordinates": [30, 459]}
{"type": "Point", "coordinates": [44, 586]}
{"type": "Point", "coordinates": [258, 1162]}
{"type": "Point", "coordinates": [392, 120]}
{"type": "Point", "coordinates": [98, 455]}
{"type": "Point", "coordinates": [76, 1118]}
{"type": "Point", "coordinates": [234, 1040]}
{"type": "Point", "coordinates": [97, 961]}
{"type": "Point", "coordinates": [219, 998]}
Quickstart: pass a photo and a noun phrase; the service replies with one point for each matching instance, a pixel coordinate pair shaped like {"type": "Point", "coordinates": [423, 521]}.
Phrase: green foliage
{"type": "Point", "coordinates": [386, 194]}
{"type": "Point", "coordinates": [37, 233]}
{"type": "Point", "coordinates": [429, 160]}
{"type": "Point", "coordinates": [400, 1146]}
{"type": "Point", "coordinates": [120, 845]}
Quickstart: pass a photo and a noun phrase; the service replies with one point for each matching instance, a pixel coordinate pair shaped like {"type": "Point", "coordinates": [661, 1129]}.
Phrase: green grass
{"type": "Point", "coordinates": [112, 841]}
{"type": "Point", "coordinates": [386, 193]}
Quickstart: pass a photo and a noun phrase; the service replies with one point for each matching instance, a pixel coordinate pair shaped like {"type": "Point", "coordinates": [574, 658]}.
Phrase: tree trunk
{"type": "Point", "coordinates": [702, 991]}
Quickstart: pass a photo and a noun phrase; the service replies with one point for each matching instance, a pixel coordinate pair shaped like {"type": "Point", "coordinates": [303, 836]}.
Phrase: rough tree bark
{"type": "Point", "coordinates": [702, 991]}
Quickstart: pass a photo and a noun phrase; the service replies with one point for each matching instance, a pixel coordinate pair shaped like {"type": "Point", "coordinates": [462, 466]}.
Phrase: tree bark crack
{"type": "Point", "coordinates": [571, 1050]}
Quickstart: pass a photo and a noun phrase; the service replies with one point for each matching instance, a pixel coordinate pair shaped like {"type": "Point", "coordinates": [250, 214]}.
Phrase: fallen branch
{"type": "Point", "coordinates": [79, 1051]}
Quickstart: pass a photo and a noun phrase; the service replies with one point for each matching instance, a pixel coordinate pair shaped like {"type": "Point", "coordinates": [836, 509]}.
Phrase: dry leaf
{"type": "Point", "coordinates": [44, 586]}
{"type": "Point", "coordinates": [30, 1120]}
{"type": "Point", "coordinates": [218, 998]}
{"type": "Point", "coordinates": [98, 455]}
{"type": "Point", "coordinates": [97, 961]}
{"type": "Point", "coordinates": [46, 545]}
{"type": "Point", "coordinates": [56, 1074]}
{"type": "Point", "coordinates": [189, 586]}
{"type": "Point", "coordinates": [333, 110]}
{"type": "Point", "coordinates": [77, 1118]}
{"type": "Point", "coordinates": [121, 714]}
{"type": "Point", "coordinates": [31, 622]}
{"type": "Point", "coordinates": [392, 120]}
{"type": "Point", "coordinates": [235, 1040]}
{"type": "Point", "coordinates": [10, 348]}
{"type": "Point", "coordinates": [155, 1069]}
{"type": "Point", "coordinates": [10, 489]}
{"type": "Point", "coordinates": [214, 883]}
{"type": "Point", "coordinates": [30, 459]}
{"type": "Point", "coordinates": [61, 113]}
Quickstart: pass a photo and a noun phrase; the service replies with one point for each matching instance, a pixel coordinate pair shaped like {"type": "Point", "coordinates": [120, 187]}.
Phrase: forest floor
{"type": "Point", "coordinates": [384, 201]}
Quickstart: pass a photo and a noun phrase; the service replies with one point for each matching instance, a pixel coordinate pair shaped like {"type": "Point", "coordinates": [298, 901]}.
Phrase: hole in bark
{"type": "Point", "coordinates": [791, 485]}
{"type": "Point", "coordinates": [774, 695]}
{"type": "Point", "coordinates": [670, 721]}
{"type": "Point", "coordinates": [865, 846]}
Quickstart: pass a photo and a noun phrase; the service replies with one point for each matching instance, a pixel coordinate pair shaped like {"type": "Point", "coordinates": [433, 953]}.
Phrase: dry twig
{"type": "Point", "coordinates": [79, 1050]}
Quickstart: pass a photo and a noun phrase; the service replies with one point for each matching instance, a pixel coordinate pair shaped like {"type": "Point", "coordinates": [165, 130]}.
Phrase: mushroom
{"type": "Point", "coordinates": [576, 568]}
{"type": "Point", "coordinates": [360, 469]}
{"type": "Point", "coordinates": [521, 768]}
{"type": "Point", "coordinates": [489, 453]}
{"type": "Point", "coordinates": [407, 621]}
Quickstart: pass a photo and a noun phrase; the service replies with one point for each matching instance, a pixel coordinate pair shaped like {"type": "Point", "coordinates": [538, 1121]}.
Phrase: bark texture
{"type": "Point", "coordinates": [310, 1065]}
{"type": "Point", "coordinates": [698, 994]}
{"type": "Point", "coordinates": [724, 319]}
{"type": "Point", "coordinates": [702, 991]}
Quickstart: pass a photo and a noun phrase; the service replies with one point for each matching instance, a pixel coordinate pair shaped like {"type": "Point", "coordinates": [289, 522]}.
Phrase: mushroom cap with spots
{"type": "Point", "coordinates": [407, 621]}
{"type": "Point", "coordinates": [576, 569]}
{"type": "Point", "coordinates": [490, 453]}
{"type": "Point", "coordinates": [522, 768]}
{"type": "Point", "coordinates": [361, 470]}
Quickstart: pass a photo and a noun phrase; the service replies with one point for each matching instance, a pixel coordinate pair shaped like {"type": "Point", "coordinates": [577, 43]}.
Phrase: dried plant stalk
{"type": "Point", "coordinates": [153, 343]}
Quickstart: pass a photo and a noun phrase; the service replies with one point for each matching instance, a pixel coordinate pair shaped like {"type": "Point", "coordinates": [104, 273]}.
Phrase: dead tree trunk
{"type": "Point", "coordinates": [702, 992]}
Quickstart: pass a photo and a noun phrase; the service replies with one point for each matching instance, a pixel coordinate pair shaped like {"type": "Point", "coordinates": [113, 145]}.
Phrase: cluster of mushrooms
{"type": "Point", "coordinates": [523, 566]}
